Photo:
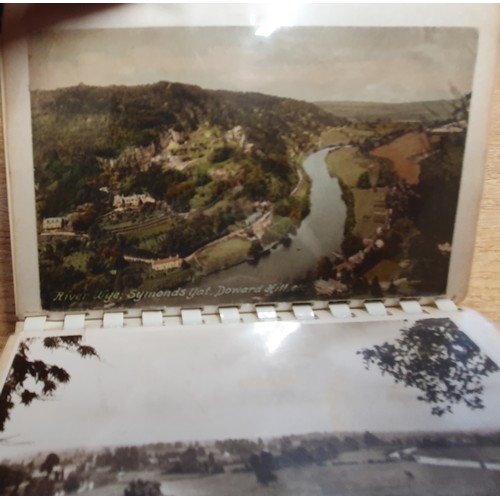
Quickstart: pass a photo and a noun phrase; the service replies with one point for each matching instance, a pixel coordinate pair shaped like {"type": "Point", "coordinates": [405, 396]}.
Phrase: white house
{"type": "Point", "coordinates": [53, 223]}
{"type": "Point", "coordinates": [132, 201]}
{"type": "Point", "coordinates": [174, 262]}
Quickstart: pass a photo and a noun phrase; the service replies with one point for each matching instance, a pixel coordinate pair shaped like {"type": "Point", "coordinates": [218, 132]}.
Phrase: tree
{"type": "Point", "coordinates": [126, 458]}
{"type": "Point", "coordinates": [42, 378]}
{"type": "Point", "coordinates": [85, 218]}
{"type": "Point", "coordinates": [10, 479]}
{"type": "Point", "coordinates": [263, 464]}
{"type": "Point", "coordinates": [403, 201]}
{"type": "Point", "coordinates": [50, 462]}
{"type": "Point", "coordinates": [324, 269]}
{"type": "Point", "coordinates": [364, 181]}
{"type": "Point", "coordinates": [212, 466]}
{"type": "Point", "coordinates": [142, 487]}
{"type": "Point", "coordinates": [351, 245]}
{"type": "Point", "coordinates": [371, 440]}
{"type": "Point", "coordinates": [255, 250]}
{"type": "Point", "coordinates": [439, 360]}
{"type": "Point", "coordinates": [40, 486]}
{"type": "Point", "coordinates": [72, 483]}
{"type": "Point", "coordinates": [375, 288]}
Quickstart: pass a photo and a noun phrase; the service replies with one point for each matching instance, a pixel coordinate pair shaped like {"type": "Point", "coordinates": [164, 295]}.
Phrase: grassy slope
{"type": "Point", "coordinates": [224, 254]}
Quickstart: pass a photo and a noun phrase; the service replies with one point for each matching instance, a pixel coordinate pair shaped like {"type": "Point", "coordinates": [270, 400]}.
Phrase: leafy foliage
{"type": "Point", "coordinates": [72, 483]}
{"type": "Point", "coordinates": [439, 187]}
{"type": "Point", "coordinates": [439, 360]}
{"type": "Point", "coordinates": [49, 463]}
{"type": "Point", "coordinates": [102, 122]}
{"type": "Point", "coordinates": [10, 477]}
{"type": "Point", "coordinates": [364, 181]}
{"type": "Point", "coordinates": [403, 201]}
{"type": "Point", "coordinates": [42, 378]}
{"type": "Point", "coordinates": [140, 487]}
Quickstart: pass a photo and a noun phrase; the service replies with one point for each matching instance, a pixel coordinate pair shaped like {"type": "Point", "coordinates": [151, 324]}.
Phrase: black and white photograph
{"type": "Point", "coordinates": [388, 407]}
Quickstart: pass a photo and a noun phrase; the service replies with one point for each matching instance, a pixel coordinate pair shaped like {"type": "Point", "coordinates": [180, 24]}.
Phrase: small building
{"type": "Point", "coordinates": [53, 223]}
{"type": "Point", "coordinates": [132, 201]}
{"type": "Point", "coordinates": [406, 454]}
{"type": "Point", "coordinates": [259, 227]}
{"type": "Point", "coordinates": [329, 287]}
{"type": "Point", "coordinates": [167, 264]}
{"type": "Point", "coordinates": [252, 218]}
{"type": "Point", "coordinates": [132, 258]}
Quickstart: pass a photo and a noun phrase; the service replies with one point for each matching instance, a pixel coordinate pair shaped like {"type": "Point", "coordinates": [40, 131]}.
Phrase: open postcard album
{"type": "Point", "coordinates": [239, 236]}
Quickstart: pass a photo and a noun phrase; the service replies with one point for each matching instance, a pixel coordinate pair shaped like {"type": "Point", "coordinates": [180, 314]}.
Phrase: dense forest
{"type": "Point", "coordinates": [73, 127]}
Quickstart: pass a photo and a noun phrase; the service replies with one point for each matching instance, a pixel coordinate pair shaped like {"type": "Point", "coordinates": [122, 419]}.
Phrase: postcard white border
{"type": "Point", "coordinates": [17, 118]}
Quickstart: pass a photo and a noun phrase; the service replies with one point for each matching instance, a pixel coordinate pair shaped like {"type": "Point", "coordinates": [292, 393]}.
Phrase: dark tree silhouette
{"type": "Point", "coordinates": [375, 288]}
{"type": "Point", "coordinates": [24, 371]}
{"type": "Point", "coordinates": [263, 466]}
{"type": "Point", "coordinates": [142, 488]}
{"type": "Point", "coordinates": [437, 358]}
{"type": "Point", "coordinates": [10, 479]}
{"type": "Point", "coordinates": [72, 483]}
{"type": "Point", "coordinates": [403, 201]}
{"type": "Point", "coordinates": [49, 463]}
{"type": "Point", "coordinates": [371, 440]}
{"type": "Point", "coordinates": [324, 269]}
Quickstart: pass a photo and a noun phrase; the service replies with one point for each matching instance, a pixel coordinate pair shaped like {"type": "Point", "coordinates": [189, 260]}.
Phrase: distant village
{"type": "Point", "coordinates": [116, 470]}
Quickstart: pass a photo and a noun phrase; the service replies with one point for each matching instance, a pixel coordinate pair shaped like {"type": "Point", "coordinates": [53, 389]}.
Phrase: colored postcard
{"type": "Point", "coordinates": [207, 165]}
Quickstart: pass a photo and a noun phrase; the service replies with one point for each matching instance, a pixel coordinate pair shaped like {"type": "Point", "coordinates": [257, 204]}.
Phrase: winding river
{"type": "Point", "coordinates": [320, 233]}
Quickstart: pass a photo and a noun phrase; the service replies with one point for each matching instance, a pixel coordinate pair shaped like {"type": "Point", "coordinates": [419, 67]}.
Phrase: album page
{"type": "Point", "coordinates": [204, 155]}
{"type": "Point", "coordinates": [395, 406]}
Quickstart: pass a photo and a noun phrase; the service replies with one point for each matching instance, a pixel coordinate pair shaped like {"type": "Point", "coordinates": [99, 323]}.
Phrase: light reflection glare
{"type": "Point", "coordinates": [279, 14]}
{"type": "Point", "coordinates": [275, 333]}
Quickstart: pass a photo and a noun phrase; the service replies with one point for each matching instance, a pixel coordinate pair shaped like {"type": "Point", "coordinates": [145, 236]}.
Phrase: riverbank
{"type": "Point", "coordinates": [366, 204]}
{"type": "Point", "coordinates": [292, 252]}
{"type": "Point", "coordinates": [312, 237]}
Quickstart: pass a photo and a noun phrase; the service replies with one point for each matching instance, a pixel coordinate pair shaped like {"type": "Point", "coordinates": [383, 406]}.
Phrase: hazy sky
{"type": "Point", "coordinates": [313, 63]}
{"type": "Point", "coordinates": [264, 380]}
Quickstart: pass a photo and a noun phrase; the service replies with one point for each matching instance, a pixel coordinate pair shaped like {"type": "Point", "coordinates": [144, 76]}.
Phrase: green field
{"type": "Point", "coordinates": [152, 230]}
{"type": "Point", "coordinates": [78, 260]}
{"type": "Point", "coordinates": [168, 279]}
{"type": "Point", "coordinates": [348, 164]}
{"type": "Point", "coordinates": [280, 227]}
{"type": "Point", "coordinates": [223, 254]}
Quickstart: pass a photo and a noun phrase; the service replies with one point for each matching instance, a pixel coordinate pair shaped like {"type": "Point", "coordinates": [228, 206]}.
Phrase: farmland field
{"type": "Point", "coordinates": [348, 164]}
{"type": "Point", "coordinates": [405, 153]}
{"type": "Point", "coordinates": [368, 218]}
